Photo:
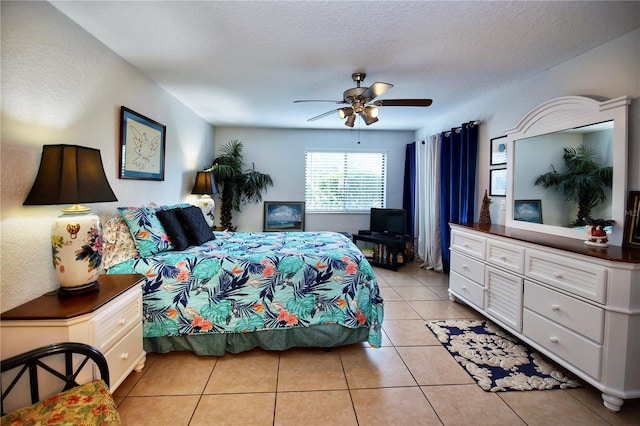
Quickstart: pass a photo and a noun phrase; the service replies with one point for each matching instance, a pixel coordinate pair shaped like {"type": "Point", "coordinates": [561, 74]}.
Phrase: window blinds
{"type": "Point", "coordinates": [345, 181]}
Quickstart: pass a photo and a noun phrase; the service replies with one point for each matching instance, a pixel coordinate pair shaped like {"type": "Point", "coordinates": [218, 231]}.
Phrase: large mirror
{"type": "Point", "coordinates": [537, 148]}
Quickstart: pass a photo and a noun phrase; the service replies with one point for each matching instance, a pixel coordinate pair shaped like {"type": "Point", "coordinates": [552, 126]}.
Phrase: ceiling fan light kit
{"type": "Point", "coordinates": [361, 101]}
{"type": "Point", "coordinates": [350, 120]}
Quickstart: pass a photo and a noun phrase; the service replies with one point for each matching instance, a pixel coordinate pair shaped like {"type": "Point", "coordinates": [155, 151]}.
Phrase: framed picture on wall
{"type": "Point", "coordinates": [632, 221]}
{"type": "Point", "coordinates": [527, 210]}
{"type": "Point", "coordinates": [142, 144]}
{"type": "Point", "coordinates": [498, 182]}
{"type": "Point", "coordinates": [498, 153]}
{"type": "Point", "coordinates": [283, 216]}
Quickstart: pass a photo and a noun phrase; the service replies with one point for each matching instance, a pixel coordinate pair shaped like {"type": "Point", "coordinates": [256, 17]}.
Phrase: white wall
{"type": "Point", "coordinates": [281, 152]}
{"type": "Point", "coordinates": [60, 85]}
{"type": "Point", "coordinates": [610, 71]}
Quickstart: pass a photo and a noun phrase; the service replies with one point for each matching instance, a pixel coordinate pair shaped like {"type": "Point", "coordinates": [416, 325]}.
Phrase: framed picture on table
{"type": "Point", "coordinates": [283, 216]}
{"type": "Point", "coordinates": [527, 210]}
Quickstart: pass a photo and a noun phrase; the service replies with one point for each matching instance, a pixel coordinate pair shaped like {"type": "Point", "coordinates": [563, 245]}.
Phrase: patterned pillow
{"type": "Point", "coordinates": [174, 227]}
{"type": "Point", "coordinates": [117, 244]}
{"type": "Point", "coordinates": [196, 225]}
{"type": "Point", "coordinates": [146, 230]}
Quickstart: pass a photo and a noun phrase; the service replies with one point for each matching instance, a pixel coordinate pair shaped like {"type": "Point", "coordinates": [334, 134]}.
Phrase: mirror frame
{"type": "Point", "coordinates": [565, 113]}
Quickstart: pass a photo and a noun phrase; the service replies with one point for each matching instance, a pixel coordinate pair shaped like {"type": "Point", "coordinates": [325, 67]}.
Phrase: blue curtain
{"type": "Point", "coordinates": [409, 193]}
{"type": "Point", "coordinates": [458, 159]}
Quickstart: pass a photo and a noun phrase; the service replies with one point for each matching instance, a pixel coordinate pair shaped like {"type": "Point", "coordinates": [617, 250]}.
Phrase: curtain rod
{"type": "Point", "coordinates": [457, 129]}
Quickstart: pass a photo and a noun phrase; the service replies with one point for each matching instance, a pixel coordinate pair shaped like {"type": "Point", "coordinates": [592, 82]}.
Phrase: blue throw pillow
{"type": "Point", "coordinates": [198, 231]}
{"type": "Point", "coordinates": [174, 227]}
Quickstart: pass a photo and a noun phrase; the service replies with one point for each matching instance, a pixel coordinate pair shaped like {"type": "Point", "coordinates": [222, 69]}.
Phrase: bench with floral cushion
{"type": "Point", "coordinates": [87, 404]}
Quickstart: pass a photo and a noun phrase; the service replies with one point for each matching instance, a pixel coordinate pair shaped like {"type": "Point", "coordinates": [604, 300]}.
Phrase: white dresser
{"type": "Point", "coordinates": [578, 305]}
{"type": "Point", "coordinates": [109, 319]}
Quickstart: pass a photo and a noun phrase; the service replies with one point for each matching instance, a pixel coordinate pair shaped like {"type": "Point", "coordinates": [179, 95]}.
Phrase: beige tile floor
{"type": "Point", "coordinates": [410, 380]}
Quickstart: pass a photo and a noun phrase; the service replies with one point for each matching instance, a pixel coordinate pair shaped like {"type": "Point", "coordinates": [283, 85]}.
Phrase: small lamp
{"type": "Point", "coordinates": [350, 120]}
{"type": "Point", "coordinates": [71, 174]}
{"type": "Point", "coordinates": [345, 112]}
{"type": "Point", "coordinates": [205, 186]}
{"type": "Point", "coordinates": [369, 115]}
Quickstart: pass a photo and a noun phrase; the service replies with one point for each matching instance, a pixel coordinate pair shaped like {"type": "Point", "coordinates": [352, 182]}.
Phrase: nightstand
{"type": "Point", "coordinates": [109, 319]}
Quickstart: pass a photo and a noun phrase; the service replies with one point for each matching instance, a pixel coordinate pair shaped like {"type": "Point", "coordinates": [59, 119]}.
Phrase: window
{"type": "Point", "coordinates": [345, 181]}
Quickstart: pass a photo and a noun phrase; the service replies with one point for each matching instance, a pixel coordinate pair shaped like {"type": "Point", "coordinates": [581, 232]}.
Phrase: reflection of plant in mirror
{"type": "Point", "coordinates": [583, 182]}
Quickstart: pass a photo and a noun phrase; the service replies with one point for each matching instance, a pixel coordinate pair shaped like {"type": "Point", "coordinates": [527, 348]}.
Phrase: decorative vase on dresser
{"type": "Point", "coordinates": [109, 319]}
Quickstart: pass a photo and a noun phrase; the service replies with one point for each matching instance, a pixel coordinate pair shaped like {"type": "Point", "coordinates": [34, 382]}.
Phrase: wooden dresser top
{"type": "Point", "coordinates": [611, 253]}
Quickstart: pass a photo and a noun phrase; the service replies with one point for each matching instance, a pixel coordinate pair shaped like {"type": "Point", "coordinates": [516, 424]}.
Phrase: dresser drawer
{"type": "Point", "coordinates": [506, 255]}
{"type": "Point", "coordinates": [575, 349]}
{"type": "Point", "coordinates": [466, 289]}
{"type": "Point", "coordinates": [504, 296]}
{"type": "Point", "coordinates": [124, 355]}
{"type": "Point", "coordinates": [574, 276]}
{"type": "Point", "coordinates": [113, 323]}
{"type": "Point", "coordinates": [473, 245]}
{"type": "Point", "coordinates": [468, 267]}
{"type": "Point", "coordinates": [574, 314]}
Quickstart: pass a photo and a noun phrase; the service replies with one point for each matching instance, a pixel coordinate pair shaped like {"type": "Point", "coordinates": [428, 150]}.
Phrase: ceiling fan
{"type": "Point", "coordinates": [360, 101]}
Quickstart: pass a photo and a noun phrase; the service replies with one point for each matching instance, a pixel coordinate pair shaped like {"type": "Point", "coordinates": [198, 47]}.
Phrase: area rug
{"type": "Point", "coordinates": [497, 361]}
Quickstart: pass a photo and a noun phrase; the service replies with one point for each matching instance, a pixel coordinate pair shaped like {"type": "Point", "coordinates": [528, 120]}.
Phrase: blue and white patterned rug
{"type": "Point", "coordinates": [496, 360]}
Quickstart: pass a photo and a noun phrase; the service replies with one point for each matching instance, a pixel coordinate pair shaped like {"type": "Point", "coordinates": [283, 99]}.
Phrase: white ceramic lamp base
{"type": "Point", "coordinates": [76, 245]}
{"type": "Point", "coordinates": [207, 205]}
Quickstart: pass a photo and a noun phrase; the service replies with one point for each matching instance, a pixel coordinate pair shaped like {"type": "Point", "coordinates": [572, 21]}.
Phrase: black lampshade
{"type": "Point", "coordinates": [70, 174]}
{"type": "Point", "coordinates": [205, 184]}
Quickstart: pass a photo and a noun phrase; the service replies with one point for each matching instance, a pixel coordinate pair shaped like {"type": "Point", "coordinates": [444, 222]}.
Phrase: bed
{"type": "Point", "coordinates": [237, 291]}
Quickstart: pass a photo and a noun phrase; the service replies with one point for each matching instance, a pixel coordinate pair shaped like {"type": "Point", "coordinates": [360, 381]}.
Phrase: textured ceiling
{"type": "Point", "coordinates": [244, 63]}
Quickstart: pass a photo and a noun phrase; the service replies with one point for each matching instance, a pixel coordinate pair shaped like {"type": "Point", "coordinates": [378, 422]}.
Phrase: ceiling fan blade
{"type": "Point", "coordinates": [404, 102]}
{"type": "Point", "coordinates": [317, 117]}
{"type": "Point", "coordinates": [318, 100]}
{"type": "Point", "coordinates": [376, 89]}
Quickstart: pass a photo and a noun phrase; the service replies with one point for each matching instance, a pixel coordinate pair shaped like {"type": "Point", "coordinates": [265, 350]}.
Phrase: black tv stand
{"type": "Point", "coordinates": [389, 250]}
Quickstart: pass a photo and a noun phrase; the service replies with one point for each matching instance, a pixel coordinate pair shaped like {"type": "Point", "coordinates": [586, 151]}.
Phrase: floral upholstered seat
{"type": "Point", "coordinates": [89, 404]}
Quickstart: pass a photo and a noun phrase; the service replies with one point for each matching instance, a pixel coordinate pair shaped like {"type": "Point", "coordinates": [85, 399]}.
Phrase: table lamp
{"type": "Point", "coordinates": [205, 186]}
{"type": "Point", "coordinates": [71, 174]}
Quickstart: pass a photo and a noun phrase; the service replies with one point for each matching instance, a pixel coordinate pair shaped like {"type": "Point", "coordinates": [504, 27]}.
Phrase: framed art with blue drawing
{"type": "Point", "coordinates": [498, 154]}
{"type": "Point", "coordinates": [283, 216]}
{"type": "Point", "coordinates": [142, 146]}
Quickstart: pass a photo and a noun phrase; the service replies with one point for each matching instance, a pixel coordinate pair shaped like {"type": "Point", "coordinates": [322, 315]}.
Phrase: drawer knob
{"type": "Point", "coordinates": [557, 275]}
{"type": "Point", "coordinates": [503, 258]}
{"type": "Point", "coordinates": [122, 321]}
{"type": "Point", "coordinates": [465, 267]}
{"type": "Point", "coordinates": [555, 307]}
{"type": "Point", "coordinates": [466, 245]}
{"type": "Point", "coordinates": [125, 355]}
{"type": "Point", "coordinates": [553, 339]}
{"type": "Point", "coordinates": [464, 288]}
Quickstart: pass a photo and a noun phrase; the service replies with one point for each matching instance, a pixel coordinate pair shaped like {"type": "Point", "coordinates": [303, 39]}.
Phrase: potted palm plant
{"type": "Point", "coordinates": [239, 186]}
{"type": "Point", "coordinates": [583, 182]}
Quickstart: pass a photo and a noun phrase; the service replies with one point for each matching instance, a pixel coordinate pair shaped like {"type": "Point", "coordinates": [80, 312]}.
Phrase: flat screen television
{"type": "Point", "coordinates": [388, 221]}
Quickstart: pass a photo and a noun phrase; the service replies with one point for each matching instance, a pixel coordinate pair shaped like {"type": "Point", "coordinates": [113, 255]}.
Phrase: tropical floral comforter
{"type": "Point", "coordinates": [247, 282]}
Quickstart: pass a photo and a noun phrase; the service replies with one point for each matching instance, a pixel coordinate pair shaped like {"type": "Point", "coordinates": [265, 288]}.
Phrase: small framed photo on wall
{"type": "Point", "coordinates": [498, 151]}
{"type": "Point", "coordinates": [498, 182]}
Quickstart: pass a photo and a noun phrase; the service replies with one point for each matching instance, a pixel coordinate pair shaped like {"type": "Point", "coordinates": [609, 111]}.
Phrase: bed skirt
{"type": "Point", "coordinates": [318, 336]}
